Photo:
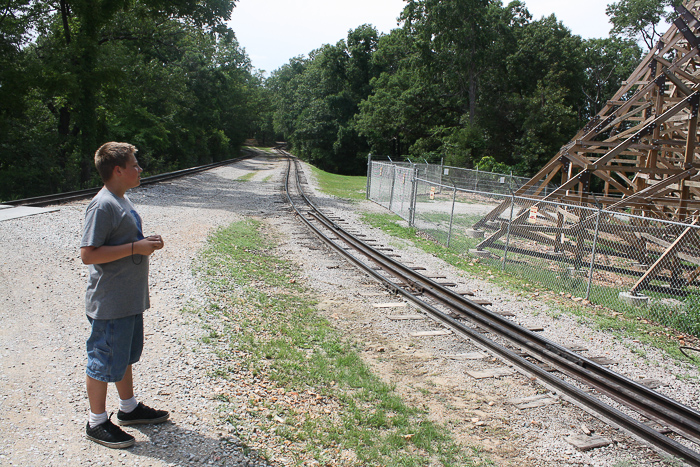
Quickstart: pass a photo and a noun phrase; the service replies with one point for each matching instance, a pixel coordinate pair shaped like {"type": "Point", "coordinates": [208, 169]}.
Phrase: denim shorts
{"type": "Point", "coordinates": [113, 345]}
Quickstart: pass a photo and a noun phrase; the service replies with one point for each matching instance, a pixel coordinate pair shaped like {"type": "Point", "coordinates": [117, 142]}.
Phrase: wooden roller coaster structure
{"type": "Point", "coordinates": [643, 146]}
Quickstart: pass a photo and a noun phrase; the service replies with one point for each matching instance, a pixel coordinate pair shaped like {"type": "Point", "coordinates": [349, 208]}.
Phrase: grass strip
{"type": "Point", "coordinates": [343, 186]}
{"type": "Point", "coordinates": [322, 401]}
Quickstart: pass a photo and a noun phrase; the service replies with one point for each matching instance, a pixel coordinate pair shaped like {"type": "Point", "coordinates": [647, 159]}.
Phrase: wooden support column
{"type": "Point", "coordinates": [653, 155]}
{"type": "Point", "coordinates": [559, 239]}
{"type": "Point", "coordinates": [584, 188]}
{"type": "Point", "coordinates": [690, 144]}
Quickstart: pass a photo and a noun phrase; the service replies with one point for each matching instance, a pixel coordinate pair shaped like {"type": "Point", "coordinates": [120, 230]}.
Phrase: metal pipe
{"type": "Point", "coordinates": [595, 243]}
{"type": "Point", "coordinates": [452, 214]}
{"type": "Point", "coordinates": [510, 221]}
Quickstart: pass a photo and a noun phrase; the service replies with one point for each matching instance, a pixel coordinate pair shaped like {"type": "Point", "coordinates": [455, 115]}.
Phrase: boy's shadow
{"type": "Point", "coordinates": [178, 446]}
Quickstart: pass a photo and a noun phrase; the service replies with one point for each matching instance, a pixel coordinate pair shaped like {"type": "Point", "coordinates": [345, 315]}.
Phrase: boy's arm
{"type": "Point", "coordinates": [108, 253]}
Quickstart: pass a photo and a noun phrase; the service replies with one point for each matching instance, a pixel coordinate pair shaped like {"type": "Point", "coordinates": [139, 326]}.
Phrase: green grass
{"type": "Point", "coordinates": [264, 149]}
{"type": "Point", "coordinates": [275, 333]}
{"type": "Point", "coordinates": [247, 177]}
{"type": "Point", "coordinates": [342, 186]}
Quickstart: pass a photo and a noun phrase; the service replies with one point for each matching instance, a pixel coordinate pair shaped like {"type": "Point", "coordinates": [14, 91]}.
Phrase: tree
{"type": "Point", "coordinates": [87, 25]}
{"type": "Point", "coordinates": [317, 99]}
{"type": "Point", "coordinates": [460, 80]}
{"type": "Point", "coordinates": [608, 62]}
{"type": "Point", "coordinates": [454, 38]}
{"type": "Point", "coordinates": [640, 19]}
{"type": "Point", "coordinates": [535, 95]}
{"type": "Point", "coordinates": [180, 89]}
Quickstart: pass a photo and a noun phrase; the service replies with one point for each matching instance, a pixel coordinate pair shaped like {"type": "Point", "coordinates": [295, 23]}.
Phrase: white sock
{"type": "Point", "coordinates": [97, 419]}
{"type": "Point", "coordinates": [128, 405]}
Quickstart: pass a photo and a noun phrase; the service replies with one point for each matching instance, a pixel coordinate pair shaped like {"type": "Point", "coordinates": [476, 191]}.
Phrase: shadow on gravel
{"type": "Point", "coordinates": [179, 446]}
{"type": "Point", "coordinates": [207, 191]}
{"type": "Point", "coordinates": [213, 190]}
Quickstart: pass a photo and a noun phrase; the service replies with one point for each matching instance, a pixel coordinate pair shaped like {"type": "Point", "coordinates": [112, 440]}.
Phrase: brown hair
{"type": "Point", "coordinates": [111, 155]}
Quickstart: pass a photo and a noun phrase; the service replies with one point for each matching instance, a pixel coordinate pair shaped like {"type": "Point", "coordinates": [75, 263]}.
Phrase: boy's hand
{"type": "Point", "coordinates": [157, 240]}
{"type": "Point", "coordinates": [148, 245]}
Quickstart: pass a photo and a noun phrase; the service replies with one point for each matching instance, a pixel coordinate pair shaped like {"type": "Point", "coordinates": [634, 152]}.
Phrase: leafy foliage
{"type": "Point", "coordinates": [166, 76]}
{"type": "Point", "coordinates": [317, 100]}
{"type": "Point", "coordinates": [640, 19]}
{"type": "Point", "coordinates": [461, 81]}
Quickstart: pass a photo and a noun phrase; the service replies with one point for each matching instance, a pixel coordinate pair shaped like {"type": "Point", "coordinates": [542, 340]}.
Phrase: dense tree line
{"type": "Point", "coordinates": [168, 76]}
{"type": "Point", "coordinates": [471, 82]}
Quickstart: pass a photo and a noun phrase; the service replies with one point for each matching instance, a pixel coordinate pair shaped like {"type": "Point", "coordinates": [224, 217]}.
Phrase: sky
{"type": "Point", "coordinates": [274, 31]}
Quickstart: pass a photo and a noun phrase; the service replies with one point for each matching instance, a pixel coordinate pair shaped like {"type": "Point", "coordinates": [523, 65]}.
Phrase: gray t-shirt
{"type": "Point", "coordinates": [119, 288]}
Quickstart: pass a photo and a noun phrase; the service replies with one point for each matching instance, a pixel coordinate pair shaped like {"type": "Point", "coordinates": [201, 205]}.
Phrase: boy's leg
{"type": "Point", "coordinates": [132, 412]}
{"type": "Point", "coordinates": [141, 413]}
{"type": "Point", "coordinates": [101, 368]}
{"type": "Point", "coordinates": [97, 395]}
{"type": "Point", "coordinates": [104, 432]}
{"type": "Point", "coordinates": [125, 387]}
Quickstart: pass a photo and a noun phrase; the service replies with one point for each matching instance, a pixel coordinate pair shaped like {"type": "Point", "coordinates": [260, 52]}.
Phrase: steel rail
{"type": "Point", "coordinates": [88, 192]}
{"type": "Point", "coordinates": [684, 420]}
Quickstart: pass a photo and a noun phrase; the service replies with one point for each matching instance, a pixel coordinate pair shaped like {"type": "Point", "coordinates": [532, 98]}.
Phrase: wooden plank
{"type": "Point", "coordinates": [464, 292]}
{"type": "Point", "coordinates": [532, 402]}
{"type": "Point", "coordinates": [405, 317]}
{"type": "Point", "coordinates": [390, 305]}
{"type": "Point", "coordinates": [468, 356]}
{"type": "Point", "coordinates": [505, 314]}
{"type": "Point", "coordinates": [491, 373]}
{"type": "Point", "coordinates": [441, 332]}
{"type": "Point", "coordinates": [664, 258]}
{"type": "Point", "coordinates": [603, 360]}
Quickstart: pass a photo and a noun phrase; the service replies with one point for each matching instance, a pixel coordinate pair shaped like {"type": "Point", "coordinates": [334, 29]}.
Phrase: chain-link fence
{"type": "Point", "coordinates": [640, 267]}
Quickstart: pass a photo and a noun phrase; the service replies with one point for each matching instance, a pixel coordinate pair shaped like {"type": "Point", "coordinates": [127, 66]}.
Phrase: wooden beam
{"type": "Point", "coordinates": [664, 258]}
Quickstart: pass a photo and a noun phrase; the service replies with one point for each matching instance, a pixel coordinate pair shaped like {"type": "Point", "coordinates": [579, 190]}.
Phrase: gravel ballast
{"type": "Point", "coordinates": [43, 406]}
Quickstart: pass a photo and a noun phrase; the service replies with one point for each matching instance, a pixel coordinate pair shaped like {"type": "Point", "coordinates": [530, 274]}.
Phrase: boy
{"type": "Point", "coordinates": [117, 253]}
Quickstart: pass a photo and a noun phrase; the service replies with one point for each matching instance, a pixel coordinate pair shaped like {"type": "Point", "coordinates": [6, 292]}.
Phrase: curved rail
{"type": "Point", "coordinates": [410, 284]}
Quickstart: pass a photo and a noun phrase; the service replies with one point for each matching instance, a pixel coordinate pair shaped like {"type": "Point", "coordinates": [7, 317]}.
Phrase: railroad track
{"type": "Point", "coordinates": [533, 355]}
{"type": "Point", "coordinates": [89, 192]}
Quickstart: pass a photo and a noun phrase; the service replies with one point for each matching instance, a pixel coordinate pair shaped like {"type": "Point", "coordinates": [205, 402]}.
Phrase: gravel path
{"type": "Point", "coordinates": [43, 407]}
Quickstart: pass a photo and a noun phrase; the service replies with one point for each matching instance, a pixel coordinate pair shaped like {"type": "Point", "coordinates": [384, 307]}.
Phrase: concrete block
{"type": "Point", "coordinates": [480, 253]}
{"type": "Point", "coordinates": [584, 442]}
{"type": "Point", "coordinates": [634, 300]}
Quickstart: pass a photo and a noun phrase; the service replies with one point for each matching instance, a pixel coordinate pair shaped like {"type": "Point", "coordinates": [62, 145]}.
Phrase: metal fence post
{"type": "Point", "coordinates": [476, 178]}
{"type": "Point", "coordinates": [393, 183]}
{"type": "Point", "coordinates": [442, 168]}
{"type": "Point", "coordinates": [414, 195]}
{"type": "Point", "coordinates": [369, 175]}
{"type": "Point", "coordinates": [595, 243]}
{"type": "Point", "coordinates": [510, 221]}
{"type": "Point", "coordinates": [452, 214]}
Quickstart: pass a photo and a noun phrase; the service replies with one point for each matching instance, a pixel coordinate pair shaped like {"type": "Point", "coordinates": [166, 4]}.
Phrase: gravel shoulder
{"type": "Point", "coordinates": [43, 407]}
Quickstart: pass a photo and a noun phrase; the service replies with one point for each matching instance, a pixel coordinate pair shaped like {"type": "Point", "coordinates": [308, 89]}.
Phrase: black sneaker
{"type": "Point", "coordinates": [110, 435]}
{"type": "Point", "coordinates": [142, 414]}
